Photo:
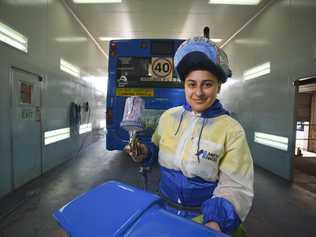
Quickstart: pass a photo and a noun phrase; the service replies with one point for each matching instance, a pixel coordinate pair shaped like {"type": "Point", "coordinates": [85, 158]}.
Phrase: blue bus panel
{"type": "Point", "coordinates": [130, 63]}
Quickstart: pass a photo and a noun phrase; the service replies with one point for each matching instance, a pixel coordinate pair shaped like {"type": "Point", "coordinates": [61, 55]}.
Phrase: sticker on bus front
{"type": "Point", "coordinates": [148, 92]}
{"type": "Point", "coordinates": [161, 68]}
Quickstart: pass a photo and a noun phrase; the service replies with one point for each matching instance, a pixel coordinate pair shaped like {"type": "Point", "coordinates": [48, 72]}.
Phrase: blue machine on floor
{"type": "Point", "coordinates": [116, 209]}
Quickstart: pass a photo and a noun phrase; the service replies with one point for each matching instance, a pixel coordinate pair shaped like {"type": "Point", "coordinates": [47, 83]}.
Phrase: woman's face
{"type": "Point", "coordinates": [201, 88]}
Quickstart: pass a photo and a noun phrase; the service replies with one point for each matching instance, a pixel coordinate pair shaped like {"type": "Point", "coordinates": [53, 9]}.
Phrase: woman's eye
{"type": "Point", "coordinates": [208, 84]}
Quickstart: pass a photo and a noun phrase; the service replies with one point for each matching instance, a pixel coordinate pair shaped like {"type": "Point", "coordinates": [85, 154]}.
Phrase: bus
{"type": "Point", "coordinates": [140, 67]}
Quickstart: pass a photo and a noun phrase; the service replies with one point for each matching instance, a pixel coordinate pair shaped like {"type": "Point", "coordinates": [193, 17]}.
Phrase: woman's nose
{"type": "Point", "coordinates": [199, 91]}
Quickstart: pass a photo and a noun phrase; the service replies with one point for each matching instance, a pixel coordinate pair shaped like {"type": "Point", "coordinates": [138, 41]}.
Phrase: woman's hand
{"type": "Point", "coordinates": [213, 225]}
{"type": "Point", "coordinates": [138, 152]}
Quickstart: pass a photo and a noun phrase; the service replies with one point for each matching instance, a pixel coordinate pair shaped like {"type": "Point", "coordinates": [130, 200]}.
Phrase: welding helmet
{"type": "Point", "coordinates": [200, 53]}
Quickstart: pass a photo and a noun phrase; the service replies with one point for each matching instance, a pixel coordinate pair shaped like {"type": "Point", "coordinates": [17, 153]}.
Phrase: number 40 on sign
{"type": "Point", "coordinates": [162, 68]}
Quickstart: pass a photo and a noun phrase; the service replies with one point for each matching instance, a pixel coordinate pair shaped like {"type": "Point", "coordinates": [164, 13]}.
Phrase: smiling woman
{"type": "Point", "coordinates": [206, 166]}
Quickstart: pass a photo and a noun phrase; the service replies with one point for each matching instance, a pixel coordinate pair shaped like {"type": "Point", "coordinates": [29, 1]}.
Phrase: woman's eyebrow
{"type": "Point", "coordinates": [204, 80]}
{"type": "Point", "coordinates": [207, 80]}
{"type": "Point", "coordinates": [190, 80]}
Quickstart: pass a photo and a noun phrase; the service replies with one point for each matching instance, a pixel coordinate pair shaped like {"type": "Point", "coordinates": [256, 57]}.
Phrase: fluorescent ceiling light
{"type": "Point", "coordinates": [235, 2]}
{"type": "Point", "coordinates": [71, 39]}
{"type": "Point", "coordinates": [216, 40]}
{"type": "Point", "coordinates": [257, 71]}
{"type": "Point", "coordinates": [56, 135]}
{"type": "Point", "coordinates": [96, 1]}
{"type": "Point", "coordinates": [28, 2]}
{"type": "Point", "coordinates": [84, 128]}
{"type": "Point", "coordinates": [251, 42]}
{"type": "Point", "coordinates": [274, 141]}
{"type": "Point", "coordinates": [69, 68]}
{"type": "Point", "coordinates": [13, 38]}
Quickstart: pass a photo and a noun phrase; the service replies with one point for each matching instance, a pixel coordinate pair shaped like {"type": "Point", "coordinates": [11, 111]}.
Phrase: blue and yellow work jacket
{"type": "Point", "coordinates": [205, 161]}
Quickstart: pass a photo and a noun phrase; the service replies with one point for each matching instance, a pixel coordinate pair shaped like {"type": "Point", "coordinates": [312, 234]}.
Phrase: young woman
{"type": "Point", "coordinates": [206, 166]}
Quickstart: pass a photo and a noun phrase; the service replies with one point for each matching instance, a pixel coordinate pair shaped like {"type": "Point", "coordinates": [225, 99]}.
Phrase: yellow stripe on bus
{"type": "Point", "coordinates": [135, 92]}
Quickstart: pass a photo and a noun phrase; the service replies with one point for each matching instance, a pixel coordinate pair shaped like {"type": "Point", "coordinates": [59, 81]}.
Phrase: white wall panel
{"type": "Point", "coordinates": [283, 35]}
{"type": "Point", "coordinates": [45, 23]}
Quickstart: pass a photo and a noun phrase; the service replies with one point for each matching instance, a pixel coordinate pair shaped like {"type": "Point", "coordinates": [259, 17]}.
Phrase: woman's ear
{"type": "Point", "coordinates": [219, 87]}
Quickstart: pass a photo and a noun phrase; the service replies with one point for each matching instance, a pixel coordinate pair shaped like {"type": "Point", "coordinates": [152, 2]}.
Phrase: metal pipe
{"type": "Point", "coordinates": [247, 23]}
{"type": "Point", "coordinates": [85, 29]}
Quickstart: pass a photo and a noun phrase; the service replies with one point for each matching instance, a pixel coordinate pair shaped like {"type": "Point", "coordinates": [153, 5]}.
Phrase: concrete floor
{"type": "Point", "coordinates": [280, 208]}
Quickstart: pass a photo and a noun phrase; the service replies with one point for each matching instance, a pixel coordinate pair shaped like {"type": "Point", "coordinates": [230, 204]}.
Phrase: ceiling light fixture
{"type": "Point", "coordinates": [96, 1]}
{"type": "Point", "coordinates": [257, 71]}
{"type": "Point", "coordinates": [272, 140]}
{"type": "Point", "coordinates": [13, 38]}
{"type": "Point", "coordinates": [69, 68]}
{"type": "Point", "coordinates": [71, 39]}
{"type": "Point", "coordinates": [216, 40]}
{"type": "Point", "coordinates": [235, 2]}
{"type": "Point", "coordinates": [56, 135]}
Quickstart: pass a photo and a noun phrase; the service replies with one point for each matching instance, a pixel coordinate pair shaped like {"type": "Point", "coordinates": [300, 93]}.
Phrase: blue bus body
{"type": "Point", "coordinates": [130, 60]}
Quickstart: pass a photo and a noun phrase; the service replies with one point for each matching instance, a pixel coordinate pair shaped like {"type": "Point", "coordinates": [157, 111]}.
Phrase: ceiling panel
{"type": "Point", "coordinates": [162, 19]}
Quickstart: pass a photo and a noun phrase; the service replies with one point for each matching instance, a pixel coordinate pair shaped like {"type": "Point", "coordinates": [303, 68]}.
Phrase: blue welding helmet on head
{"type": "Point", "coordinates": [200, 53]}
